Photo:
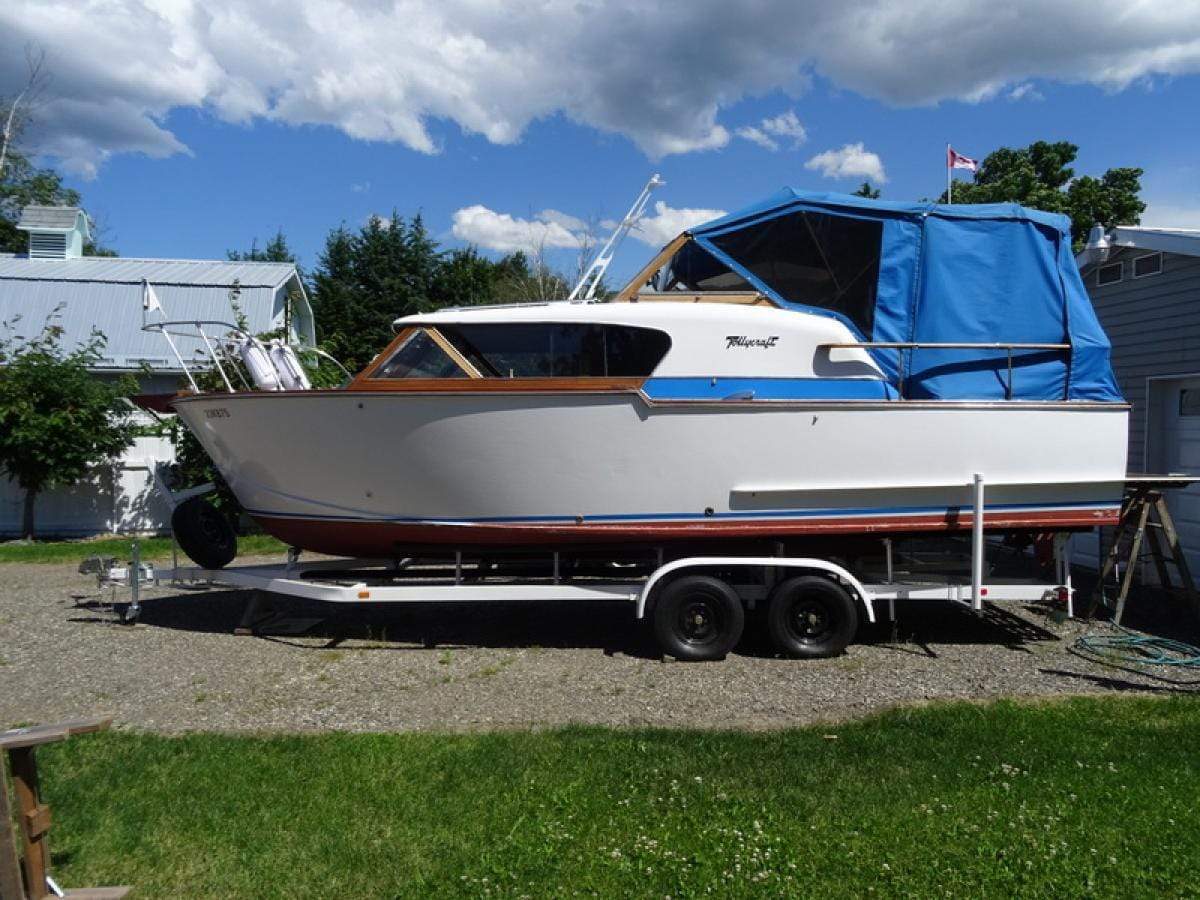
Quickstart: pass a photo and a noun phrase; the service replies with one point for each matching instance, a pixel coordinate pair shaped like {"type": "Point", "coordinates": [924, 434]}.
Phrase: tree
{"type": "Point", "coordinates": [275, 250]}
{"type": "Point", "coordinates": [1040, 176]}
{"type": "Point", "coordinates": [21, 182]}
{"type": "Point", "coordinates": [20, 107]}
{"type": "Point", "coordinates": [57, 420]}
{"type": "Point", "coordinates": [366, 279]}
{"type": "Point", "coordinates": [866, 190]}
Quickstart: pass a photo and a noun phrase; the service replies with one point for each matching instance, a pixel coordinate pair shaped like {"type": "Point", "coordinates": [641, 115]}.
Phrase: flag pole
{"type": "Point", "coordinates": [949, 180]}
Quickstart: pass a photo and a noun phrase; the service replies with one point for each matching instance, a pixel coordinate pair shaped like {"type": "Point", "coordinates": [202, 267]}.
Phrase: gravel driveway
{"type": "Point", "coordinates": [517, 665]}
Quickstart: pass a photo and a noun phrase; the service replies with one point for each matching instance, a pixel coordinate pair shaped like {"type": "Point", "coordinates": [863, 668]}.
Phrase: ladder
{"type": "Point", "coordinates": [1144, 517]}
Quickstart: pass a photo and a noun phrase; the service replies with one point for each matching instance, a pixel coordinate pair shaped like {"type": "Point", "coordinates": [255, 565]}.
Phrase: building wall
{"type": "Point", "coordinates": [1154, 326]}
{"type": "Point", "coordinates": [118, 498]}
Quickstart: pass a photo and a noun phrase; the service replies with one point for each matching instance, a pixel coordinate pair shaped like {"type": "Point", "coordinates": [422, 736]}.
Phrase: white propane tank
{"type": "Point", "coordinates": [291, 373]}
{"type": "Point", "coordinates": [258, 364]}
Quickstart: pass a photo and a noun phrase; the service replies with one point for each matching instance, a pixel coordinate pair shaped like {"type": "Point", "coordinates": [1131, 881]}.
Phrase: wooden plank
{"type": "Point", "coordinates": [1156, 552]}
{"type": "Point", "coordinates": [35, 852]}
{"type": "Point", "coordinates": [86, 726]}
{"type": "Point", "coordinates": [100, 893]}
{"type": "Point", "coordinates": [1131, 564]}
{"type": "Point", "coordinates": [33, 736]}
{"type": "Point", "coordinates": [10, 863]}
{"type": "Point", "coordinates": [37, 820]}
{"type": "Point", "coordinates": [468, 386]}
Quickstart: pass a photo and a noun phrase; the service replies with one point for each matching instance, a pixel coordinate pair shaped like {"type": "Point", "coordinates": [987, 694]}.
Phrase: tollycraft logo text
{"type": "Point", "coordinates": [740, 340]}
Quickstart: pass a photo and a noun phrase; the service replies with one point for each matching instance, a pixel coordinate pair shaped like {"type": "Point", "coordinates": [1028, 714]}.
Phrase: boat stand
{"type": "Point", "coordinates": [1145, 516]}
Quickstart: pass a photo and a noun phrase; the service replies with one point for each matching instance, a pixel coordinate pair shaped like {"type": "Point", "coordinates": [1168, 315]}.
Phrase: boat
{"type": "Point", "coordinates": [813, 367]}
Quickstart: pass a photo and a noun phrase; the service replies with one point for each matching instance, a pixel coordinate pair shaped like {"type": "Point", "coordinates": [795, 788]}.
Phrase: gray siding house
{"type": "Point", "coordinates": [105, 293]}
{"type": "Point", "coordinates": [1145, 285]}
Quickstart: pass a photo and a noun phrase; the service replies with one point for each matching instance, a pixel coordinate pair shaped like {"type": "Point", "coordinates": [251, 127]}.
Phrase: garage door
{"type": "Point", "coordinates": [1174, 446]}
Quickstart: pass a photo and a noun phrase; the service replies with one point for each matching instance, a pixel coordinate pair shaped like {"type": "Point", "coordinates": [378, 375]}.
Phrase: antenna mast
{"type": "Point", "coordinates": [585, 290]}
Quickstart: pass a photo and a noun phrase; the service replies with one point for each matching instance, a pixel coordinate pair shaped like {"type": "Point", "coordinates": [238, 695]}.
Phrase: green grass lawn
{"type": "Point", "coordinates": [151, 548]}
{"type": "Point", "coordinates": [1074, 798]}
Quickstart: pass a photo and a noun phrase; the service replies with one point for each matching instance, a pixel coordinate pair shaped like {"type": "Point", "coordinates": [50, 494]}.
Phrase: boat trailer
{"type": "Point", "coordinates": [696, 603]}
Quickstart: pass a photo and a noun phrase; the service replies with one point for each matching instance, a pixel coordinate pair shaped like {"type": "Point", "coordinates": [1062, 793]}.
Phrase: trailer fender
{"type": "Point", "coordinates": [779, 562]}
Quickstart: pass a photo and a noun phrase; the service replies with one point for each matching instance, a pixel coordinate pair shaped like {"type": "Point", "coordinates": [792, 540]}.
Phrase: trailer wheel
{"type": "Point", "coordinates": [809, 617]}
{"type": "Point", "coordinates": [204, 534]}
{"type": "Point", "coordinates": [698, 617]}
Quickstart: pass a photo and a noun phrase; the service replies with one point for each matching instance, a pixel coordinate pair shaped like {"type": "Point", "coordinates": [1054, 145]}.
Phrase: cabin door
{"type": "Point", "coordinates": [1173, 445]}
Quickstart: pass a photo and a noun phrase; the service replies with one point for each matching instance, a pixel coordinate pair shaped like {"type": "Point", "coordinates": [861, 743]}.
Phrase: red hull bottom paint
{"type": "Point", "coordinates": [381, 539]}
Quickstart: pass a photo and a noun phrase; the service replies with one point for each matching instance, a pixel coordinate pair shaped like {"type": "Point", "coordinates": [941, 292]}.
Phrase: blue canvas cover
{"type": "Point", "coordinates": [927, 273]}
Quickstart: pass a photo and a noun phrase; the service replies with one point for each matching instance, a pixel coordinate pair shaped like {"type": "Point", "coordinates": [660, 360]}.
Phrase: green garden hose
{"type": "Point", "coordinates": [1139, 649]}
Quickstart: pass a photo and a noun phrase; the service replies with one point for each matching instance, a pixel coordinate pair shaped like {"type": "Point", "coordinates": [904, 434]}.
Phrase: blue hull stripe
{"type": "Point", "coordinates": [767, 389]}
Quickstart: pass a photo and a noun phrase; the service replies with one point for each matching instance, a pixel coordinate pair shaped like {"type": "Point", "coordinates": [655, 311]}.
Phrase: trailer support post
{"type": "Point", "coordinates": [977, 548]}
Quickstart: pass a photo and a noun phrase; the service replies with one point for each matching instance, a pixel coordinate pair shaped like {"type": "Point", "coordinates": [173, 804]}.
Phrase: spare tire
{"type": "Point", "coordinates": [204, 534]}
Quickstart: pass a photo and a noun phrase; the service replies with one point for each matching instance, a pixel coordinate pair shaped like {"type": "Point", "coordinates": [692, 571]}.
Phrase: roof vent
{"type": "Point", "coordinates": [55, 232]}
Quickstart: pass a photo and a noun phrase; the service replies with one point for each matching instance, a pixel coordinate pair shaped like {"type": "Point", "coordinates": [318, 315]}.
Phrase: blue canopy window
{"type": "Point", "coordinates": [820, 260]}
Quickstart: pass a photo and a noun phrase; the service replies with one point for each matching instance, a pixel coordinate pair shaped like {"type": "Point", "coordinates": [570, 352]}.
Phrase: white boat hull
{"type": "Point", "coordinates": [366, 473]}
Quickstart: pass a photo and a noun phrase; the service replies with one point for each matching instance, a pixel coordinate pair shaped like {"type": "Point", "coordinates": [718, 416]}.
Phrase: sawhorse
{"type": "Point", "coordinates": [1145, 516]}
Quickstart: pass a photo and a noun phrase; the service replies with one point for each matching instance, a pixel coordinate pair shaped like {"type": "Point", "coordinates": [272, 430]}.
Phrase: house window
{"type": "Point", "coordinates": [1110, 274]}
{"type": "Point", "coordinates": [1189, 402]}
{"type": "Point", "coordinates": [1150, 264]}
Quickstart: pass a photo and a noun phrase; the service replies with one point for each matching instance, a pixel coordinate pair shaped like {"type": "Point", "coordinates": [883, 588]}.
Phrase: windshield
{"type": "Point", "coordinates": [420, 357]}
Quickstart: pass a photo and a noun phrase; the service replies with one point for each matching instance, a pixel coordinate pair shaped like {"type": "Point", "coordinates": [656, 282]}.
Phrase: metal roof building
{"type": "Point", "coordinates": [81, 293]}
{"type": "Point", "coordinates": [105, 293]}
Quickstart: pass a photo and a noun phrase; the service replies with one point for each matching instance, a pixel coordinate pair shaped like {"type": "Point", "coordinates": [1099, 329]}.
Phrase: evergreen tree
{"type": "Point", "coordinates": [1040, 176]}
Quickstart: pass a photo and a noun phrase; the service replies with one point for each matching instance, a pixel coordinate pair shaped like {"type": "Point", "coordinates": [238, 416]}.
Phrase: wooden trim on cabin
{"type": "Point", "coordinates": [639, 280]}
{"type": "Point", "coordinates": [450, 350]}
{"type": "Point", "coordinates": [494, 385]}
{"type": "Point", "coordinates": [384, 354]}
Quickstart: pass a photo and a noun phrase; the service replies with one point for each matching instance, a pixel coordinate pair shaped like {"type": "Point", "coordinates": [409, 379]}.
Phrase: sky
{"type": "Point", "coordinates": [193, 128]}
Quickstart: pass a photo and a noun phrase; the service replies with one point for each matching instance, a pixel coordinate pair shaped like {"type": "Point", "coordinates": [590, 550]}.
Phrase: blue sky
{"type": "Point", "coordinates": [225, 150]}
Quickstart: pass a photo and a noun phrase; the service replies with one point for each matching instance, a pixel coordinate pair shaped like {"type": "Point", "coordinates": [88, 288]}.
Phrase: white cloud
{"type": "Point", "coordinates": [667, 222]}
{"type": "Point", "coordinates": [571, 223]}
{"type": "Point", "coordinates": [507, 234]}
{"type": "Point", "coordinates": [405, 70]}
{"type": "Point", "coordinates": [1025, 91]}
{"type": "Point", "coordinates": [765, 134]}
{"type": "Point", "coordinates": [850, 161]}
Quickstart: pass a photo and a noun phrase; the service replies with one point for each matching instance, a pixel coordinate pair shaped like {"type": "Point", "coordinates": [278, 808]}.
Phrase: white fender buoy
{"type": "Point", "coordinates": [287, 364]}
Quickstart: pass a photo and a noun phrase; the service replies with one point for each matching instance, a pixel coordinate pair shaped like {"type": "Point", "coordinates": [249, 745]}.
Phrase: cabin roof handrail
{"type": "Point", "coordinates": [1007, 348]}
{"type": "Point", "coordinates": [940, 345]}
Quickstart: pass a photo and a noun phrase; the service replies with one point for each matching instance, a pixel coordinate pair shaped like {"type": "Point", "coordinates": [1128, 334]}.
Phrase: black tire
{"type": "Point", "coordinates": [697, 618]}
{"type": "Point", "coordinates": [204, 534]}
{"type": "Point", "coordinates": [810, 617]}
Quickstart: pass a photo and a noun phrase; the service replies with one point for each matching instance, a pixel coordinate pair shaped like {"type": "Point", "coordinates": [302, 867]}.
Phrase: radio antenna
{"type": "Point", "coordinates": [585, 290]}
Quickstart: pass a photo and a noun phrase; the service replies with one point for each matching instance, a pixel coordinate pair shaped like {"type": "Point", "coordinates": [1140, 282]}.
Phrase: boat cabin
{"type": "Point", "coordinates": [805, 295]}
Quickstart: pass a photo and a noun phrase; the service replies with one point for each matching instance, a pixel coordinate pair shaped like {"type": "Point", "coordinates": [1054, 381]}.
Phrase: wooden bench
{"type": "Point", "coordinates": [33, 816]}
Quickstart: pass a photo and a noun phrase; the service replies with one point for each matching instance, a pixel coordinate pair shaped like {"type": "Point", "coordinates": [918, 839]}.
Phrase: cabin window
{"type": "Point", "coordinates": [558, 350]}
{"type": "Point", "coordinates": [1110, 274]}
{"type": "Point", "coordinates": [420, 357]}
{"type": "Point", "coordinates": [1150, 264]}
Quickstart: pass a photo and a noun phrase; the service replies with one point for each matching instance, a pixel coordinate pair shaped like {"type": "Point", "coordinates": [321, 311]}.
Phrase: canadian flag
{"type": "Point", "coordinates": [955, 160]}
